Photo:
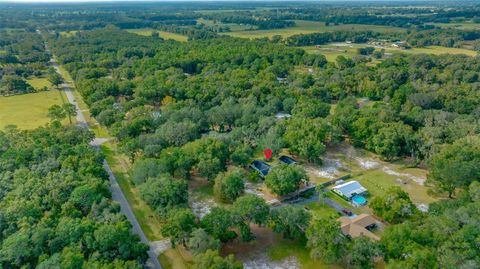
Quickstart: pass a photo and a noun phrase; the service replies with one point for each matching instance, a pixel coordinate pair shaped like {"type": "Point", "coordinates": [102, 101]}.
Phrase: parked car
{"type": "Point", "coordinates": [347, 212]}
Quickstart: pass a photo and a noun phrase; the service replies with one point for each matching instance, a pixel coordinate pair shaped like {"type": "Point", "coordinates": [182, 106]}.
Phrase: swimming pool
{"type": "Point", "coordinates": [359, 200]}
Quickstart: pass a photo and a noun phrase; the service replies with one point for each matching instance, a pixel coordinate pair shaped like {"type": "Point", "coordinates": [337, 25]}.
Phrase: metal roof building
{"type": "Point", "coordinates": [349, 189]}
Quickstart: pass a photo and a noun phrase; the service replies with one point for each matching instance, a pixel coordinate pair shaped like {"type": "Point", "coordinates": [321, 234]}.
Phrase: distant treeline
{"type": "Point", "coordinates": [414, 38]}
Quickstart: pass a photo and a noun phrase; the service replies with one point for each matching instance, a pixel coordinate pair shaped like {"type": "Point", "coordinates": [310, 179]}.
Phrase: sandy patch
{"type": "Point", "coordinates": [367, 164]}
{"type": "Point", "coordinates": [330, 168]}
{"type": "Point", "coordinates": [202, 208]}
{"type": "Point", "coordinates": [260, 260]}
{"type": "Point", "coordinates": [254, 254]}
{"type": "Point", "coordinates": [391, 172]}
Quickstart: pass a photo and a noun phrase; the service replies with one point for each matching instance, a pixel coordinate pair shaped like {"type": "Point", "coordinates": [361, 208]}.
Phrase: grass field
{"type": "Point", "coordinates": [461, 26]}
{"type": "Point", "coordinates": [307, 27]}
{"type": "Point", "coordinates": [163, 34]}
{"type": "Point", "coordinates": [332, 51]}
{"type": "Point", "coordinates": [175, 258]}
{"type": "Point", "coordinates": [68, 33]}
{"type": "Point", "coordinates": [28, 111]}
{"type": "Point", "coordinates": [234, 27]}
{"type": "Point", "coordinates": [294, 248]}
{"type": "Point", "coordinates": [39, 83]}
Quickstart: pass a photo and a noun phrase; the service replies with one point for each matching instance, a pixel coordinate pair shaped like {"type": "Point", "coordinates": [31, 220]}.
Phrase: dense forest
{"type": "Point", "coordinates": [22, 54]}
{"type": "Point", "coordinates": [200, 106]}
{"type": "Point", "coordinates": [56, 210]}
{"type": "Point", "coordinates": [205, 108]}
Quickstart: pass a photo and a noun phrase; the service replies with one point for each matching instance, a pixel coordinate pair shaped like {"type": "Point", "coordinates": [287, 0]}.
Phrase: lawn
{"type": "Point", "coordinates": [322, 210]}
{"type": "Point", "coordinates": [163, 34]}
{"type": "Point", "coordinates": [286, 248]}
{"type": "Point", "coordinates": [307, 27]}
{"type": "Point", "coordinates": [39, 83]}
{"type": "Point", "coordinates": [28, 111]}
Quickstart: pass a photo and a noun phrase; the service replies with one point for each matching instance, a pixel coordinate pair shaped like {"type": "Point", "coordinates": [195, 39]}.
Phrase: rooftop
{"type": "Point", "coordinates": [357, 226]}
{"type": "Point", "coordinates": [350, 188]}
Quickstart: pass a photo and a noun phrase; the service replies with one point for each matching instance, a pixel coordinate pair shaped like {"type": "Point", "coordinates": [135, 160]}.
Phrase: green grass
{"type": "Point", "coordinates": [377, 182]}
{"type": "Point", "coordinates": [173, 259]}
{"type": "Point", "coordinates": [460, 25]}
{"type": "Point", "coordinates": [234, 27]}
{"type": "Point", "coordinates": [28, 111]}
{"type": "Point", "coordinates": [147, 218]}
{"type": "Point", "coordinates": [332, 51]}
{"type": "Point", "coordinates": [307, 27]}
{"type": "Point", "coordinates": [39, 83]}
{"type": "Point", "coordinates": [437, 50]}
{"type": "Point", "coordinates": [284, 249]}
{"type": "Point", "coordinates": [163, 34]}
{"type": "Point", "coordinates": [68, 33]}
{"type": "Point", "coordinates": [322, 210]}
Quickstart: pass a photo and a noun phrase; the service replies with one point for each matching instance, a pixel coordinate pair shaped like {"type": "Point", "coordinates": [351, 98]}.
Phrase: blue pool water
{"type": "Point", "coordinates": [358, 199]}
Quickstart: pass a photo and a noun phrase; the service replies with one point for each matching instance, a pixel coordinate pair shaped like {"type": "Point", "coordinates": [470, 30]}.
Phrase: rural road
{"type": "Point", "coordinates": [156, 247]}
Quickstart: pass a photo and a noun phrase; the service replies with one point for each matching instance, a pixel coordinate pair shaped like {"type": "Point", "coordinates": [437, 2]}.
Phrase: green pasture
{"type": "Point", "coordinates": [39, 83]}
{"type": "Point", "coordinates": [234, 27]}
{"type": "Point", "coordinates": [459, 25]}
{"type": "Point", "coordinates": [163, 34]}
{"type": "Point", "coordinates": [332, 51]}
{"type": "Point", "coordinates": [308, 27]}
{"type": "Point", "coordinates": [28, 111]}
{"type": "Point", "coordinates": [68, 33]}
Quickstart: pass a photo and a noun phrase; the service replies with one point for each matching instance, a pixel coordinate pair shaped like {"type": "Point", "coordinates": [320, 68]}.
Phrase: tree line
{"type": "Point", "coordinates": [56, 208]}
{"type": "Point", "coordinates": [200, 107]}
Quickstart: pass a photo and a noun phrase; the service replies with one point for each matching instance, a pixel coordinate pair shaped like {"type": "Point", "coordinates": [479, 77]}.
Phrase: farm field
{"type": "Point", "coordinates": [39, 83]}
{"type": "Point", "coordinates": [307, 27]}
{"type": "Point", "coordinates": [68, 33]}
{"type": "Point", "coordinates": [462, 25]}
{"type": "Point", "coordinates": [234, 27]}
{"type": "Point", "coordinates": [28, 111]}
{"type": "Point", "coordinates": [332, 51]}
{"type": "Point", "coordinates": [163, 34]}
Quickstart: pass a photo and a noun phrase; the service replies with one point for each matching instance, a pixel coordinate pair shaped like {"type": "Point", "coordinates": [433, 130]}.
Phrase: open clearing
{"type": "Point", "coordinates": [270, 251]}
{"type": "Point", "coordinates": [333, 50]}
{"type": "Point", "coordinates": [234, 27]}
{"type": "Point", "coordinates": [39, 83]}
{"type": "Point", "coordinates": [308, 27]}
{"type": "Point", "coordinates": [460, 26]}
{"type": "Point", "coordinates": [28, 111]}
{"type": "Point", "coordinates": [374, 174]}
{"type": "Point", "coordinates": [163, 34]}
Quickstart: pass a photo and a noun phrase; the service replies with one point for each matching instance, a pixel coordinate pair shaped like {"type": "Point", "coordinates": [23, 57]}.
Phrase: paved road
{"type": "Point", "coordinates": [156, 247]}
